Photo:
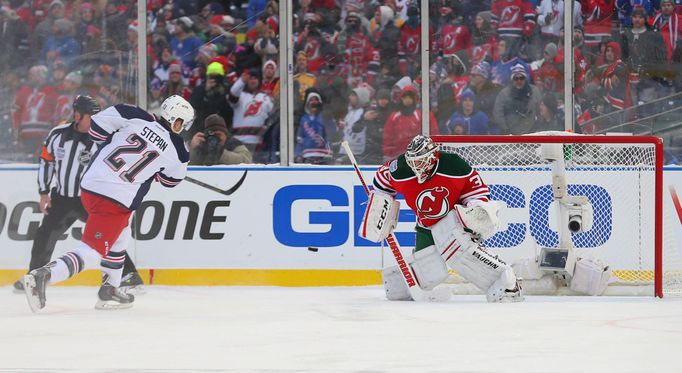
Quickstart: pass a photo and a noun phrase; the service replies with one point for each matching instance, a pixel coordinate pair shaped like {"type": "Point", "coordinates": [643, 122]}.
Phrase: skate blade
{"type": "Point", "coordinates": [108, 305]}
{"type": "Point", "coordinates": [135, 290]}
{"type": "Point", "coordinates": [515, 299]}
{"type": "Point", "coordinates": [33, 301]}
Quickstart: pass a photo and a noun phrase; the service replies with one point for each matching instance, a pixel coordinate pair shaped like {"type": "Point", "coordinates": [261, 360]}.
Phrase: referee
{"type": "Point", "coordinates": [64, 156]}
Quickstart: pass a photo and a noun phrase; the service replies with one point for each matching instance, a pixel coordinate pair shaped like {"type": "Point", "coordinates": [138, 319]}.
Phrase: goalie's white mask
{"type": "Point", "coordinates": [422, 156]}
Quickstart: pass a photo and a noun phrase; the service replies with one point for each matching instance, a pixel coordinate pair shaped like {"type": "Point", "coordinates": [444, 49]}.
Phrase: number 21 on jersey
{"type": "Point", "coordinates": [136, 145]}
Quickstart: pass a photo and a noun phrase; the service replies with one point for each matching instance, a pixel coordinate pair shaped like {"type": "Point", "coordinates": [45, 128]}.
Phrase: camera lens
{"type": "Point", "coordinates": [574, 223]}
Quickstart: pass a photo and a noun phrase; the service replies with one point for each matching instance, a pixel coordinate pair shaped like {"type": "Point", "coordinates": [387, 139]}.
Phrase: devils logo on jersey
{"type": "Point", "coordinates": [510, 15]}
{"type": "Point", "coordinates": [433, 203]}
{"type": "Point", "coordinates": [253, 108]}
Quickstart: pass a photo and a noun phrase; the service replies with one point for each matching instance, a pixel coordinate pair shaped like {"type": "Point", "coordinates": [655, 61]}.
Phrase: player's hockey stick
{"type": "Point", "coordinates": [225, 192]}
{"type": "Point", "coordinates": [417, 293]}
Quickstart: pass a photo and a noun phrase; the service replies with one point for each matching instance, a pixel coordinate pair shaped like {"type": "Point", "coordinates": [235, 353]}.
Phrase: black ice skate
{"type": "Point", "coordinates": [111, 298]}
{"type": "Point", "coordinates": [132, 284]}
{"type": "Point", "coordinates": [35, 283]}
{"type": "Point", "coordinates": [18, 287]}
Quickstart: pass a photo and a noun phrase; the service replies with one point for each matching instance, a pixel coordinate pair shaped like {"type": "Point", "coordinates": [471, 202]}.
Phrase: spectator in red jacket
{"type": "Point", "coordinates": [34, 109]}
{"type": "Point", "coordinates": [404, 124]}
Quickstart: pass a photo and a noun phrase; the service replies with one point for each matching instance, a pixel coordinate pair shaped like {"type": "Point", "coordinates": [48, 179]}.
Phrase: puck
{"type": "Point", "coordinates": [313, 249]}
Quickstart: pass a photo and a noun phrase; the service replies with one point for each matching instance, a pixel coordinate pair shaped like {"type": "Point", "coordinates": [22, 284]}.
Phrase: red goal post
{"type": "Point", "coordinates": [622, 176]}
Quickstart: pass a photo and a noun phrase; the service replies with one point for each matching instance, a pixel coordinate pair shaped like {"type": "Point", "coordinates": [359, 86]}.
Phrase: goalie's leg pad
{"type": "Point", "coordinates": [429, 268]}
{"type": "Point", "coordinates": [590, 277]}
{"type": "Point", "coordinates": [394, 284]}
{"type": "Point", "coordinates": [488, 273]}
{"type": "Point", "coordinates": [381, 216]}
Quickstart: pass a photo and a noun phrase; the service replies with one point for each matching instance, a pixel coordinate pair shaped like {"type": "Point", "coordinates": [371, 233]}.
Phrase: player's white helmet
{"type": "Point", "coordinates": [175, 107]}
{"type": "Point", "coordinates": [422, 155]}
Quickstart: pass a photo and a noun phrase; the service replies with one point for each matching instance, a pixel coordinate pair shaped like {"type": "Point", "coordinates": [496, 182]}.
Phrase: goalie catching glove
{"type": "Point", "coordinates": [380, 218]}
{"type": "Point", "coordinates": [480, 218]}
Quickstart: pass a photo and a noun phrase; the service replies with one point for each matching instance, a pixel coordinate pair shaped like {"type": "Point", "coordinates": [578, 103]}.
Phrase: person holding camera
{"type": "Point", "coordinates": [215, 145]}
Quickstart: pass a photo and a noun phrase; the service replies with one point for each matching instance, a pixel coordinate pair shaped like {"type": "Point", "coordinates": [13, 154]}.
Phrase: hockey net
{"type": "Point", "coordinates": [621, 176]}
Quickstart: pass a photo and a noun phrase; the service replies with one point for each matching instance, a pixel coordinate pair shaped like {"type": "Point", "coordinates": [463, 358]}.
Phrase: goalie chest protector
{"type": "Point", "coordinates": [455, 182]}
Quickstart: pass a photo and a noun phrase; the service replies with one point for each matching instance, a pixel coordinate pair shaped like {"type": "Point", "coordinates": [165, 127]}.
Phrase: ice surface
{"type": "Point", "coordinates": [269, 329]}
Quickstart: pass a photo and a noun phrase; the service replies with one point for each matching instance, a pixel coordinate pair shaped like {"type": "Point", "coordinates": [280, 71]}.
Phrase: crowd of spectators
{"type": "Point", "coordinates": [496, 67]}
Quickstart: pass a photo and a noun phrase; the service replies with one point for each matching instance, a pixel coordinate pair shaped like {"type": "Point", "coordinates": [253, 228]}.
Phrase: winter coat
{"type": "Point", "coordinates": [475, 124]}
{"type": "Point", "coordinates": [400, 129]}
{"type": "Point", "coordinates": [515, 111]}
{"type": "Point", "coordinates": [374, 136]}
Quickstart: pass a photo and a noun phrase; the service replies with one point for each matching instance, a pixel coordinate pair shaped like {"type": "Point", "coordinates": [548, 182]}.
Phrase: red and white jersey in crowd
{"type": "Point", "coordinates": [454, 182]}
{"type": "Point", "coordinates": [454, 38]}
{"type": "Point", "coordinates": [250, 112]}
{"type": "Point", "coordinates": [512, 18]}
{"type": "Point", "coordinates": [597, 15]}
{"type": "Point", "coordinates": [33, 110]}
{"type": "Point", "coordinates": [360, 55]}
{"type": "Point", "coordinates": [136, 151]}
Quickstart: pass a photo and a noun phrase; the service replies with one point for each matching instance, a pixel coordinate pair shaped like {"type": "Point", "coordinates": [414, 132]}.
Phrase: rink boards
{"type": "Point", "coordinates": [283, 226]}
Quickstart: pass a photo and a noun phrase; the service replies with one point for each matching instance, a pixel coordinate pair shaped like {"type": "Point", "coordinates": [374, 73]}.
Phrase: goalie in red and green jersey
{"type": "Point", "coordinates": [454, 215]}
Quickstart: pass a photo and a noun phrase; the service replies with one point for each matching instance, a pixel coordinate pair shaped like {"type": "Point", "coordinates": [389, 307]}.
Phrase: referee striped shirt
{"type": "Point", "coordinates": [64, 156]}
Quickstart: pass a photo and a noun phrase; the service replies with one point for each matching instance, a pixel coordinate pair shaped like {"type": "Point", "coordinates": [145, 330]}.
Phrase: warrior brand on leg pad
{"type": "Point", "coordinates": [429, 267]}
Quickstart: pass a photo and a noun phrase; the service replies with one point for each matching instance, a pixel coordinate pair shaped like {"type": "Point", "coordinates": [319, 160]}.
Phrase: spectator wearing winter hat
{"type": "Point", "coordinates": [548, 114]}
{"type": "Point", "coordinates": [516, 105]}
{"type": "Point", "coordinates": [358, 99]}
{"type": "Point", "coordinates": [34, 105]}
{"type": "Point", "coordinates": [175, 85]}
{"type": "Point", "coordinates": [85, 21]}
{"type": "Point", "coordinates": [215, 145]}
{"type": "Point", "coordinates": [68, 91]}
{"type": "Point", "coordinates": [372, 123]}
{"type": "Point", "coordinates": [270, 84]}
{"type": "Point", "coordinates": [184, 43]}
{"type": "Point", "coordinates": [210, 97]}
{"type": "Point", "coordinates": [251, 109]}
{"type": "Point", "coordinates": [313, 132]}
{"type": "Point", "coordinates": [409, 44]}
{"type": "Point", "coordinates": [644, 53]}
{"type": "Point", "coordinates": [386, 37]}
{"type": "Point", "coordinates": [501, 67]}
{"type": "Point", "coordinates": [403, 124]}
{"type": "Point", "coordinates": [485, 91]}
{"type": "Point", "coordinates": [44, 29]}
{"type": "Point", "coordinates": [467, 120]}
{"type": "Point", "coordinates": [546, 75]}
{"type": "Point", "coordinates": [669, 24]}
{"type": "Point", "coordinates": [482, 38]}
{"type": "Point", "coordinates": [626, 8]}
{"type": "Point", "coordinates": [61, 44]}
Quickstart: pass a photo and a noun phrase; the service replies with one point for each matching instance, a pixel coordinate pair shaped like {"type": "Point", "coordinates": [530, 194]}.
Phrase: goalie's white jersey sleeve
{"type": "Point", "coordinates": [135, 151]}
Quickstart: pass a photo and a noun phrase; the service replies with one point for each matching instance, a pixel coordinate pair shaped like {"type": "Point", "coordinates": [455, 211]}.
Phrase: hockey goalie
{"type": "Point", "coordinates": [454, 216]}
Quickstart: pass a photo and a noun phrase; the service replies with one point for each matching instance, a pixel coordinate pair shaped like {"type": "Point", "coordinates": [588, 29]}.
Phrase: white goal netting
{"type": "Point", "coordinates": [620, 176]}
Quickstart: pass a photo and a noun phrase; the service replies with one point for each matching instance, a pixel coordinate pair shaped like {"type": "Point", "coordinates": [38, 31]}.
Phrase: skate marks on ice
{"type": "Point", "coordinates": [339, 329]}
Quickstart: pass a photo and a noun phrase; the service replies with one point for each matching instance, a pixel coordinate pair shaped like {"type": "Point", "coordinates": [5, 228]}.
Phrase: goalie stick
{"type": "Point", "coordinates": [417, 293]}
{"type": "Point", "coordinates": [225, 192]}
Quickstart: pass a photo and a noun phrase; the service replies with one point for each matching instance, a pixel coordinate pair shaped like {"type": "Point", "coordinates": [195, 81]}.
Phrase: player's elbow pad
{"type": "Point", "coordinates": [380, 218]}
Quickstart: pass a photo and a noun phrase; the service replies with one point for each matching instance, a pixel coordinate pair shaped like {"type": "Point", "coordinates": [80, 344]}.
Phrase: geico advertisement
{"type": "Point", "coordinates": [270, 218]}
{"type": "Point", "coordinates": [307, 218]}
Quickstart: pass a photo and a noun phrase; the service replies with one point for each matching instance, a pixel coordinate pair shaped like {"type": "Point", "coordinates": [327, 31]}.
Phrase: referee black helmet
{"type": "Point", "coordinates": [86, 105]}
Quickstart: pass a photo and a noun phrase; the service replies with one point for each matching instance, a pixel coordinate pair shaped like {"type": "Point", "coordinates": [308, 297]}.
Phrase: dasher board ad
{"type": "Point", "coordinates": [308, 218]}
